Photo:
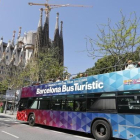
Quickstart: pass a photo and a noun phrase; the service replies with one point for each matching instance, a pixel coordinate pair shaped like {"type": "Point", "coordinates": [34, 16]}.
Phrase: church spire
{"type": "Point", "coordinates": [56, 33]}
{"type": "Point", "coordinates": [57, 22]}
{"type": "Point", "coordinates": [13, 39]}
{"type": "Point", "coordinates": [19, 33]}
{"type": "Point", "coordinates": [40, 21]}
{"type": "Point", "coordinates": [61, 30]}
{"type": "Point", "coordinates": [2, 38]}
{"type": "Point", "coordinates": [46, 32]}
{"type": "Point", "coordinates": [47, 17]}
{"type": "Point", "coordinates": [61, 61]}
{"type": "Point", "coordinates": [38, 44]}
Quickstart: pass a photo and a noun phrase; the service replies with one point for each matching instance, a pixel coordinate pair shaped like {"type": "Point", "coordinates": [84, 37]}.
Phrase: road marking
{"type": "Point", "coordinates": [58, 132]}
{"type": "Point", "coordinates": [83, 137]}
{"type": "Point", "coordinates": [10, 134]}
{"type": "Point", "coordinates": [25, 125]}
{"type": "Point", "coordinates": [7, 120]}
{"type": "Point", "coordinates": [16, 122]}
{"type": "Point", "coordinates": [38, 127]}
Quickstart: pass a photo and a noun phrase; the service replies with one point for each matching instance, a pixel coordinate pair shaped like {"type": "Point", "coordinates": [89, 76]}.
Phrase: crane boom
{"type": "Point", "coordinates": [61, 5]}
{"type": "Point", "coordinates": [48, 7]}
{"type": "Point", "coordinates": [30, 3]}
{"type": "Point", "coordinates": [69, 5]}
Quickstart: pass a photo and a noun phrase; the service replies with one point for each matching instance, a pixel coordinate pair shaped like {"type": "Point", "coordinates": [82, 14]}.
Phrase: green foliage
{"type": "Point", "coordinates": [107, 64]}
{"type": "Point", "coordinates": [41, 68]}
{"type": "Point", "coordinates": [48, 66]}
{"type": "Point", "coordinates": [116, 42]}
{"type": "Point", "coordinates": [3, 87]}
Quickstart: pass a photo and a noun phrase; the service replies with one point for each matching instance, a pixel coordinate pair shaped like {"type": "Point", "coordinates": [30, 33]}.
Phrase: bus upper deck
{"type": "Point", "coordinates": [108, 82]}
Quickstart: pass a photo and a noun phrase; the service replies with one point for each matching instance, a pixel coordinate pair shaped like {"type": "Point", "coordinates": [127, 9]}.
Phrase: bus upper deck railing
{"type": "Point", "coordinates": [104, 70]}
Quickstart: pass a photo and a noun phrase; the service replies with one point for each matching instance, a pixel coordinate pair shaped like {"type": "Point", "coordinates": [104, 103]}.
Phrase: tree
{"type": "Point", "coordinates": [48, 66]}
{"type": "Point", "coordinates": [3, 87]}
{"type": "Point", "coordinates": [117, 42]}
{"type": "Point", "coordinates": [106, 64]}
{"type": "Point", "coordinates": [42, 68]}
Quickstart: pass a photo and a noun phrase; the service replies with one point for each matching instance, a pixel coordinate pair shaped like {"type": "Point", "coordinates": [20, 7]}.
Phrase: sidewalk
{"type": "Point", "coordinates": [9, 114]}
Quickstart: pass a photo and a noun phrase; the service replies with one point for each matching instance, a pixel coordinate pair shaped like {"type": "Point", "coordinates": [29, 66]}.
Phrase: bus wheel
{"type": "Point", "coordinates": [101, 130]}
{"type": "Point", "coordinates": [31, 120]}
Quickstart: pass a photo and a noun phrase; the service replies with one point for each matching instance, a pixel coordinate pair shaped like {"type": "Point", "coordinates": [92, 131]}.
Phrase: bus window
{"type": "Point", "coordinates": [80, 102]}
{"type": "Point", "coordinates": [129, 104]}
{"type": "Point", "coordinates": [106, 102]}
{"type": "Point", "coordinates": [23, 104]}
{"type": "Point", "coordinates": [63, 103]}
{"type": "Point", "coordinates": [32, 103]}
{"type": "Point", "coordinates": [44, 103]}
{"type": "Point", "coordinates": [70, 103]}
{"type": "Point", "coordinates": [58, 103]}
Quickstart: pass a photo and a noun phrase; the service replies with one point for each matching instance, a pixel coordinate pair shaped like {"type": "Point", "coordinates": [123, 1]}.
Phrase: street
{"type": "Point", "coordinates": [11, 129]}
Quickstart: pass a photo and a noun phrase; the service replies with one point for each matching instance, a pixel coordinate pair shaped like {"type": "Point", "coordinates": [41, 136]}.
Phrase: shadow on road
{"type": "Point", "coordinates": [4, 116]}
{"type": "Point", "coordinates": [76, 133]}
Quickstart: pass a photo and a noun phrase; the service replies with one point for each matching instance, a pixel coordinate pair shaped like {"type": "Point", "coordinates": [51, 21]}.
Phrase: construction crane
{"type": "Point", "coordinates": [48, 7]}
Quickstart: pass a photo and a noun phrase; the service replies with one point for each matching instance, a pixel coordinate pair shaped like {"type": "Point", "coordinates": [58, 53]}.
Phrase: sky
{"type": "Point", "coordinates": [78, 23]}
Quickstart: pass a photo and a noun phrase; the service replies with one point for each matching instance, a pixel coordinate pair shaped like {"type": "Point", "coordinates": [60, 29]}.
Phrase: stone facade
{"type": "Point", "coordinates": [16, 55]}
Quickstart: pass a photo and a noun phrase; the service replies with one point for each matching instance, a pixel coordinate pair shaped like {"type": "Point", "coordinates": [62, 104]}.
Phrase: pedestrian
{"type": "Point", "coordinates": [130, 65]}
{"type": "Point", "coordinates": [138, 64]}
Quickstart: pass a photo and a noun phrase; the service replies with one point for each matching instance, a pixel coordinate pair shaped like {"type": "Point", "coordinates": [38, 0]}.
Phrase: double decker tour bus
{"type": "Point", "coordinates": [105, 105]}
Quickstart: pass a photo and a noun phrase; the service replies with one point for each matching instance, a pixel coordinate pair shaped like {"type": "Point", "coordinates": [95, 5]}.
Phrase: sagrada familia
{"type": "Point", "coordinates": [16, 55]}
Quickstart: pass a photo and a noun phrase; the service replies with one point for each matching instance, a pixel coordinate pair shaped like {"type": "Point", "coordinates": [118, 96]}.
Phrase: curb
{"type": "Point", "coordinates": [8, 115]}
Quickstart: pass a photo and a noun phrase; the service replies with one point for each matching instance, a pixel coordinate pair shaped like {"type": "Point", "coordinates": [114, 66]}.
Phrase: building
{"type": "Point", "coordinates": [16, 55]}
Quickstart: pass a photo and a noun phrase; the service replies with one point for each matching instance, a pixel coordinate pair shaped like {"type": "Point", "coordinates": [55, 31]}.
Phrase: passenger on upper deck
{"type": "Point", "coordinates": [130, 65]}
{"type": "Point", "coordinates": [138, 65]}
{"type": "Point", "coordinates": [81, 74]}
{"type": "Point", "coordinates": [66, 78]}
{"type": "Point", "coordinates": [58, 79]}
